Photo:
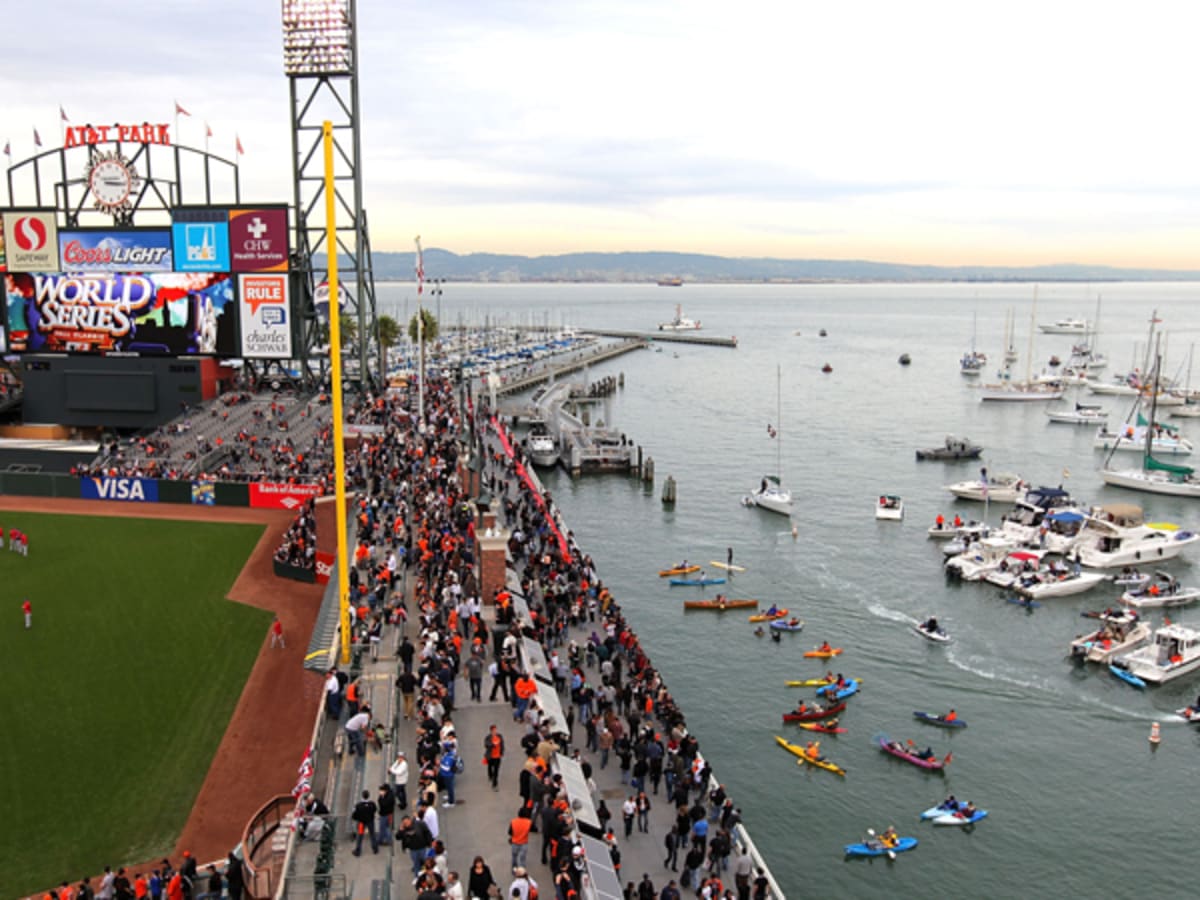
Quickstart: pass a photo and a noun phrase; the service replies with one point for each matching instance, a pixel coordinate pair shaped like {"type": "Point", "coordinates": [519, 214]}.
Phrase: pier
{"type": "Point", "coordinates": [674, 337]}
{"type": "Point", "coordinates": [532, 379]}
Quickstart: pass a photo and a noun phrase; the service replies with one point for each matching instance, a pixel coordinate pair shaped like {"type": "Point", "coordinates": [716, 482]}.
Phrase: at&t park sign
{"type": "Point", "coordinates": [145, 133]}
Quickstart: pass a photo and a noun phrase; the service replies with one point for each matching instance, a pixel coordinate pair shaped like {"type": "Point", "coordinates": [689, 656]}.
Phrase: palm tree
{"type": "Point", "coordinates": [349, 330]}
{"type": "Point", "coordinates": [389, 336]}
{"type": "Point", "coordinates": [429, 326]}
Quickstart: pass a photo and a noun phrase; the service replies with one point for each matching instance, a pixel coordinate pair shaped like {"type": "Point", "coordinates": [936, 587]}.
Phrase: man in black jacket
{"type": "Point", "coordinates": [364, 815]}
{"type": "Point", "coordinates": [414, 836]}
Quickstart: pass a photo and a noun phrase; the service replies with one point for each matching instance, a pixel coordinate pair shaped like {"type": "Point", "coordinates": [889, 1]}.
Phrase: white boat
{"type": "Point", "coordinates": [1045, 517]}
{"type": "Point", "coordinates": [1119, 633]}
{"type": "Point", "coordinates": [680, 322]}
{"type": "Point", "coordinates": [1174, 652]}
{"type": "Point", "coordinates": [972, 363]}
{"type": "Point", "coordinates": [771, 494]}
{"type": "Point", "coordinates": [937, 634]}
{"type": "Point", "coordinates": [1134, 439]}
{"type": "Point", "coordinates": [1114, 535]}
{"type": "Point", "coordinates": [542, 448]}
{"type": "Point", "coordinates": [1021, 391]}
{"type": "Point", "coordinates": [889, 507]}
{"type": "Point", "coordinates": [1057, 581]}
{"type": "Point", "coordinates": [1189, 410]}
{"type": "Point", "coordinates": [1002, 487]}
{"type": "Point", "coordinates": [1065, 326]}
{"type": "Point", "coordinates": [1164, 591]}
{"type": "Point", "coordinates": [965, 536]}
{"type": "Point", "coordinates": [989, 555]}
{"type": "Point", "coordinates": [1082, 414]}
{"type": "Point", "coordinates": [1113, 388]}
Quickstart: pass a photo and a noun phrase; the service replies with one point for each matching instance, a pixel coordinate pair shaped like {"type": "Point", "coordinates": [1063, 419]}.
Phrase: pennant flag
{"type": "Point", "coordinates": [62, 113]}
{"type": "Point", "coordinates": [238, 141]}
{"type": "Point", "coordinates": [420, 265]}
{"type": "Point", "coordinates": [771, 432]}
{"type": "Point", "coordinates": [1066, 472]}
{"type": "Point", "coordinates": [37, 138]}
{"type": "Point", "coordinates": [180, 111]}
{"type": "Point", "coordinates": [207, 130]}
{"type": "Point", "coordinates": [8, 150]}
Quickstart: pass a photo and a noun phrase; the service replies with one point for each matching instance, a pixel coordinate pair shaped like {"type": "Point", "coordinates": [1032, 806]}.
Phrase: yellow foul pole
{"type": "Point", "coordinates": [335, 363]}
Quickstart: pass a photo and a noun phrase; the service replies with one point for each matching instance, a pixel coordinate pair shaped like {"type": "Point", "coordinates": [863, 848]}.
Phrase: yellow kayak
{"type": "Point", "coordinates": [678, 570]}
{"type": "Point", "coordinates": [817, 682]}
{"type": "Point", "coordinates": [769, 617]}
{"type": "Point", "coordinates": [819, 763]}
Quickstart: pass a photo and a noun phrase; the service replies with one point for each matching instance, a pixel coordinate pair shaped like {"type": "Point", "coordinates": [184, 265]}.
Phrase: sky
{"type": "Point", "coordinates": [923, 132]}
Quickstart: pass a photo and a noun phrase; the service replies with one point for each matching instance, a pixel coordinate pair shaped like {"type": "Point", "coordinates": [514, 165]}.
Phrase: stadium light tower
{"type": "Point", "coordinates": [320, 58]}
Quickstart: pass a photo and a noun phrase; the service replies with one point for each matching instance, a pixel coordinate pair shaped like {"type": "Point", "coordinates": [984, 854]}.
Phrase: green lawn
{"type": "Point", "coordinates": [114, 702]}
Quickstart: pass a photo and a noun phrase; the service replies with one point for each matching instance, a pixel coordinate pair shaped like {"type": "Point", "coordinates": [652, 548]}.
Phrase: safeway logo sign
{"type": "Point", "coordinates": [33, 241]}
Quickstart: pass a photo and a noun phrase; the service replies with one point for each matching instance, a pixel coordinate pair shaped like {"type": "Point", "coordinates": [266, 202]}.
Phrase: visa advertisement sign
{"type": "Point", "coordinates": [265, 317]}
{"type": "Point", "coordinates": [31, 241]}
{"type": "Point", "coordinates": [134, 490]}
{"type": "Point", "coordinates": [105, 250]}
{"type": "Point", "coordinates": [200, 240]}
{"type": "Point", "coordinates": [258, 240]}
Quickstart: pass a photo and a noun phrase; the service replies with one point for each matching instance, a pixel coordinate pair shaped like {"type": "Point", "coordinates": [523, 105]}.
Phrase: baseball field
{"type": "Point", "coordinates": [115, 701]}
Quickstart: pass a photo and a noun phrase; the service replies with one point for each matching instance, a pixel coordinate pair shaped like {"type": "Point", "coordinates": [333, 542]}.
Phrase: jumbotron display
{"type": "Point", "coordinates": [213, 283]}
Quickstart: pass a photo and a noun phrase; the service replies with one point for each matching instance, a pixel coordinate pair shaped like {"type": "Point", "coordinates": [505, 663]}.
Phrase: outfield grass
{"type": "Point", "coordinates": [113, 704]}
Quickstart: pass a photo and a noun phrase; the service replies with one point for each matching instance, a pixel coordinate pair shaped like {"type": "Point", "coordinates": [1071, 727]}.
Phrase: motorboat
{"type": "Point", "coordinates": [1119, 633]}
{"type": "Point", "coordinates": [1134, 438]}
{"type": "Point", "coordinates": [1115, 535]}
{"type": "Point", "coordinates": [542, 448]}
{"type": "Point", "coordinates": [1026, 522]}
{"type": "Point", "coordinates": [1018, 564]}
{"type": "Point", "coordinates": [1065, 326]}
{"type": "Point", "coordinates": [987, 556]}
{"type": "Point", "coordinates": [1057, 580]}
{"type": "Point", "coordinates": [1173, 652]}
{"type": "Point", "coordinates": [952, 448]}
{"type": "Point", "coordinates": [1165, 590]}
{"type": "Point", "coordinates": [905, 359]}
{"type": "Point", "coordinates": [1082, 414]}
{"type": "Point", "coordinates": [966, 535]}
{"type": "Point", "coordinates": [999, 488]}
{"type": "Point", "coordinates": [889, 507]}
{"type": "Point", "coordinates": [680, 322]}
{"type": "Point", "coordinates": [1015, 391]}
{"type": "Point", "coordinates": [972, 364]}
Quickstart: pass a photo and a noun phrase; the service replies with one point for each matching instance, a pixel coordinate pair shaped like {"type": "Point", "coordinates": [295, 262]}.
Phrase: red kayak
{"type": "Point", "coordinates": [814, 715]}
{"type": "Point", "coordinates": [900, 751]}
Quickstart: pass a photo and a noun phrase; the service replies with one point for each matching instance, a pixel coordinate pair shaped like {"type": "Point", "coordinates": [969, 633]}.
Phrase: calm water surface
{"type": "Point", "coordinates": [1057, 753]}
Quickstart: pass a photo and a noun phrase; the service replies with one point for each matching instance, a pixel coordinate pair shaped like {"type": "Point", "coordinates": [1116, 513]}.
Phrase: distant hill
{"type": "Point", "coordinates": [651, 266]}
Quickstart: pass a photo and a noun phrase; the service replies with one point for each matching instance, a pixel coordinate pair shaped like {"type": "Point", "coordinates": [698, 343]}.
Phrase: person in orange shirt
{"type": "Point", "coordinates": [525, 688]}
{"type": "Point", "coordinates": [141, 886]}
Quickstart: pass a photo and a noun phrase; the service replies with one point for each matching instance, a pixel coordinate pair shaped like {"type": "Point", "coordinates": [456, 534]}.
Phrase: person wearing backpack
{"type": "Point", "coordinates": [364, 815]}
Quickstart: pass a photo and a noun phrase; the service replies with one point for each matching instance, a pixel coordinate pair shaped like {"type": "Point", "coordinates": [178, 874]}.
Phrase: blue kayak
{"type": "Point", "coordinates": [875, 848]}
{"type": "Point", "coordinates": [831, 691]}
{"type": "Point", "coordinates": [780, 625]}
{"type": "Point", "coordinates": [1126, 676]}
{"type": "Point", "coordinates": [697, 581]}
{"type": "Point", "coordinates": [931, 719]}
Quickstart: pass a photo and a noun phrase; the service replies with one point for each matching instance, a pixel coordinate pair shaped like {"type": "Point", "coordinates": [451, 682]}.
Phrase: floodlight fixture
{"type": "Point", "coordinates": [318, 37]}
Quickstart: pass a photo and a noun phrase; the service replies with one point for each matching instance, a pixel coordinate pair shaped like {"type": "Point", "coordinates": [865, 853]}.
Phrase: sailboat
{"type": "Point", "coordinates": [973, 361]}
{"type": "Point", "coordinates": [771, 494]}
{"type": "Point", "coordinates": [1029, 389]}
{"type": "Point", "coordinates": [1154, 477]}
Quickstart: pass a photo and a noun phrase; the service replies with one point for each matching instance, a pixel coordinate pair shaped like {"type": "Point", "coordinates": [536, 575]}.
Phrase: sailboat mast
{"type": "Point", "coordinates": [779, 419]}
{"type": "Point", "coordinates": [1029, 350]}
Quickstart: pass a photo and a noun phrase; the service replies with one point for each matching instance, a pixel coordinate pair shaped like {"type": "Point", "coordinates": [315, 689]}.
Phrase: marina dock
{"type": "Point", "coordinates": [675, 337]}
{"type": "Point", "coordinates": [553, 372]}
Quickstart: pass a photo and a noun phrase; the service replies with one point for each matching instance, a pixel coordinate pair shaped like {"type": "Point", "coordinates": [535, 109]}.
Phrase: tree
{"type": "Point", "coordinates": [349, 330]}
{"type": "Point", "coordinates": [389, 336]}
{"type": "Point", "coordinates": [429, 328]}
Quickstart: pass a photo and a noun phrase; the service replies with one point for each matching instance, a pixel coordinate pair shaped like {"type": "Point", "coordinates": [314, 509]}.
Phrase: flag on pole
{"type": "Point", "coordinates": [180, 111]}
{"type": "Point", "coordinates": [8, 150]}
{"type": "Point", "coordinates": [62, 113]}
{"type": "Point", "coordinates": [983, 480]}
{"type": "Point", "coordinates": [207, 130]}
{"type": "Point", "coordinates": [1066, 472]}
{"type": "Point", "coordinates": [420, 265]}
{"type": "Point", "coordinates": [238, 142]}
{"type": "Point", "coordinates": [37, 138]}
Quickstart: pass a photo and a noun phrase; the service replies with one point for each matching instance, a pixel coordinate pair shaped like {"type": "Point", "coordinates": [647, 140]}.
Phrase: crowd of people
{"type": "Point", "coordinates": [299, 545]}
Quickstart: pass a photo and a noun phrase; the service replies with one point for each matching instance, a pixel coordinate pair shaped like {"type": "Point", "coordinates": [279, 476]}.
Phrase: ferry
{"type": "Point", "coordinates": [680, 322]}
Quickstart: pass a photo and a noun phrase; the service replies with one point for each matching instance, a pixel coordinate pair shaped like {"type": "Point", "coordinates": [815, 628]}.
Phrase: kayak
{"type": "Point", "coordinates": [678, 570]}
{"type": "Point", "coordinates": [931, 719]}
{"type": "Point", "coordinates": [940, 636]}
{"type": "Point", "coordinates": [942, 809]}
{"type": "Point", "coordinates": [950, 818]}
{"type": "Point", "coordinates": [810, 682]}
{"type": "Point", "coordinates": [726, 566]}
{"type": "Point", "coordinates": [780, 625]}
{"type": "Point", "coordinates": [813, 715]}
{"type": "Point", "coordinates": [831, 690]}
{"type": "Point", "coordinates": [897, 750]}
{"type": "Point", "coordinates": [720, 605]}
{"type": "Point", "coordinates": [767, 617]}
{"type": "Point", "coordinates": [798, 751]}
{"type": "Point", "coordinates": [876, 848]}
{"type": "Point", "coordinates": [823, 654]}
{"type": "Point", "coordinates": [821, 727]}
{"type": "Point", "coordinates": [1126, 676]}
{"type": "Point", "coordinates": [694, 582]}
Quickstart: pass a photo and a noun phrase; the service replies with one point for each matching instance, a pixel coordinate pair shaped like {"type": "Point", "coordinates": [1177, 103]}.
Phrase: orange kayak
{"type": "Point", "coordinates": [678, 570]}
{"type": "Point", "coordinates": [767, 617]}
{"type": "Point", "coordinates": [720, 605]}
{"type": "Point", "coordinates": [823, 654]}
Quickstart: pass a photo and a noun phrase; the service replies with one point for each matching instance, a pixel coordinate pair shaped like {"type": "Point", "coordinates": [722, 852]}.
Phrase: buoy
{"type": "Point", "coordinates": [795, 532]}
{"type": "Point", "coordinates": [1155, 737]}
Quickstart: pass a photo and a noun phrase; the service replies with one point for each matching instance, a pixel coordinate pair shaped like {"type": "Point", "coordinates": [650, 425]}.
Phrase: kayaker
{"type": "Point", "coordinates": [951, 716]}
{"type": "Point", "coordinates": [812, 750]}
{"type": "Point", "coordinates": [802, 709]}
{"type": "Point", "coordinates": [830, 724]}
{"type": "Point", "coordinates": [825, 648]}
{"type": "Point", "coordinates": [968, 811]}
{"type": "Point", "coordinates": [794, 621]}
{"type": "Point", "coordinates": [889, 838]}
{"type": "Point", "coordinates": [926, 754]}
{"type": "Point", "coordinates": [950, 803]}
{"type": "Point", "coordinates": [773, 611]}
{"type": "Point", "coordinates": [758, 632]}
{"type": "Point", "coordinates": [841, 681]}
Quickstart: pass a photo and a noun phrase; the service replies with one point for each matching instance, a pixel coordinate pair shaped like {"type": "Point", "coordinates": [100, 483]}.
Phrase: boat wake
{"type": "Point", "coordinates": [892, 615]}
{"type": "Point", "coordinates": [973, 665]}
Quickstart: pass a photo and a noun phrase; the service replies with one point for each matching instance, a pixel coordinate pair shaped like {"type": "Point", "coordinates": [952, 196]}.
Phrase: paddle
{"type": "Point", "coordinates": [890, 853]}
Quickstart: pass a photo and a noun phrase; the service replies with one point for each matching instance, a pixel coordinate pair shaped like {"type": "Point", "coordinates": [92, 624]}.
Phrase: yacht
{"type": "Point", "coordinates": [680, 322]}
{"type": "Point", "coordinates": [1175, 651]}
{"type": "Point", "coordinates": [1065, 326]}
{"type": "Point", "coordinates": [1115, 535]}
{"type": "Point", "coordinates": [542, 448]}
